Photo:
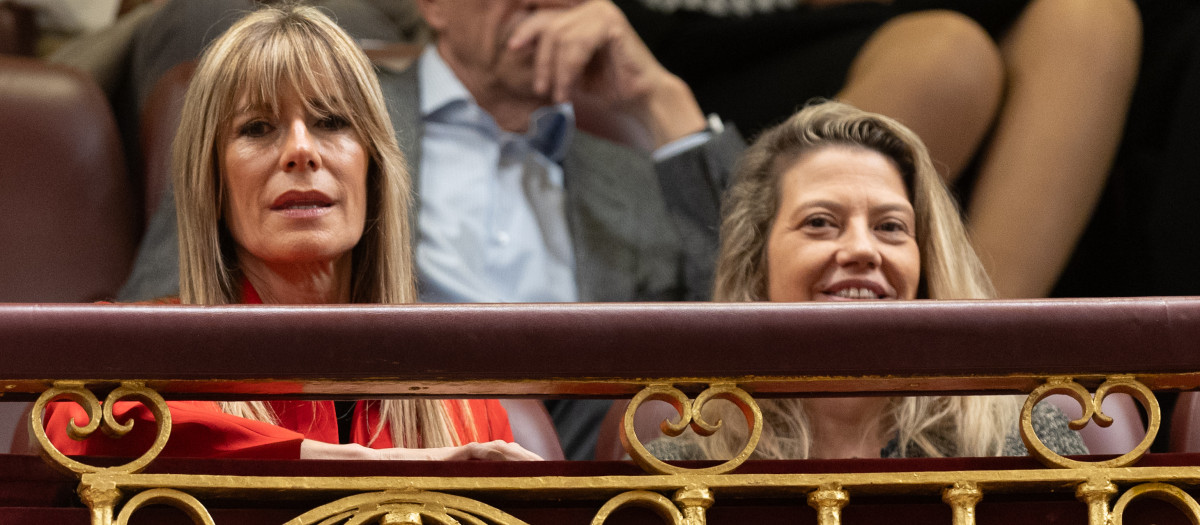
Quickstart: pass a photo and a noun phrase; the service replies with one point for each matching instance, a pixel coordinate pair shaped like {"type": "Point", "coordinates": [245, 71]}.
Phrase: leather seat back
{"type": "Point", "coordinates": [68, 227]}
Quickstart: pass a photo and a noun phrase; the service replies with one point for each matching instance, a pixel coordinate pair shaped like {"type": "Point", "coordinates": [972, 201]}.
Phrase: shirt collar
{"type": "Point", "coordinates": [439, 86]}
{"type": "Point", "coordinates": [550, 127]}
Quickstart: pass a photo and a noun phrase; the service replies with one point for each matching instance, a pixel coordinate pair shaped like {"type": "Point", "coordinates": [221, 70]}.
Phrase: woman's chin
{"type": "Point", "coordinates": [309, 253]}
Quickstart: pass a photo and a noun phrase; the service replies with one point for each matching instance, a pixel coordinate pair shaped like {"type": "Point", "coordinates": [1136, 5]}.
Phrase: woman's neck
{"type": "Point", "coordinates": [846, 427]}
{"type": "Point", "coordinates": [307, 283]}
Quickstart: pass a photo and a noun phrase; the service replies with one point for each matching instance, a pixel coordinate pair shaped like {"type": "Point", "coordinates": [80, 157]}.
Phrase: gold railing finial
{"type": "Point", "coordinates": [962, 498]}
{"type": "Point", "coordinates": [829, 501]}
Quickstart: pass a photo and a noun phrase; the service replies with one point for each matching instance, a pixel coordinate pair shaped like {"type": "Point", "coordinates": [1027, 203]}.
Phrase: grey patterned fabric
{"type": "Point", "coordinates": [1048, 422]}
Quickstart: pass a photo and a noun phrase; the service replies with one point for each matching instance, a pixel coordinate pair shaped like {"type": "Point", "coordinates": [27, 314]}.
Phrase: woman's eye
{"type": "Point", "coordinates": [332, 123]}
{"type": "Point", "coordinates": [254, 128]}
{"type": "Point", "coordinates": [893, 226]}
{"type": "Point", "coordinates": [817, 222]}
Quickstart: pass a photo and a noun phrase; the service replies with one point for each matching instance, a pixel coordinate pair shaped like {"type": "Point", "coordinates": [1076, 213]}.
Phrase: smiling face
{"type": "Point", "coordinates": [845, 230]}
{"type": "Point", "coordinates": [294, 183]}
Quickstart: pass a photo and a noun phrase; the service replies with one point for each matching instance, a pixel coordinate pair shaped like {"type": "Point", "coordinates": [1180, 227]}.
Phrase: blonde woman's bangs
{"type": "Point", "coordinates": [295, 57]}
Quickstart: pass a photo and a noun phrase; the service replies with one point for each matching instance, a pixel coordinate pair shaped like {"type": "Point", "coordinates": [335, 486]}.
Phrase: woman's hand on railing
{"type": "Point", "coordinates": [493, 450]}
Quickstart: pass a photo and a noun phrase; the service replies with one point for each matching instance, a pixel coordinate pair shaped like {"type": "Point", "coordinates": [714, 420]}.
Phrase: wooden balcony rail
{"type": "Point", "coordinates": [685, 352]}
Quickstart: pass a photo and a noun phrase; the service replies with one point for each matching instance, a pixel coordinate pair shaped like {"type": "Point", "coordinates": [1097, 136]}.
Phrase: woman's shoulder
{"type": "Point", "coordinates": [1051, 426]}
{"type": "Point", "coordinates": [675, 449]}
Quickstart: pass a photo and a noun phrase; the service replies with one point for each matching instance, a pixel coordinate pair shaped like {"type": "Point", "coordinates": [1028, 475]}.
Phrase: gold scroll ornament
{"type": "Point", "coordinates": [100, 417]}
{"type": "Point", "coordinates": [690, 415]}
{"type": "Point", "coordinates": [1091, 410]}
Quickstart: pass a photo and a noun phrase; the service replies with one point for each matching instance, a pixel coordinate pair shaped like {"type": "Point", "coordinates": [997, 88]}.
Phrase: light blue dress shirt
{"type": "Point", "coordinates": [492, 223]}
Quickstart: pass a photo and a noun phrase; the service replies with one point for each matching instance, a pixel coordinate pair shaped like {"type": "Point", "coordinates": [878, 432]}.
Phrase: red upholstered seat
{"type": "Point", "coordinates": [68, 227]}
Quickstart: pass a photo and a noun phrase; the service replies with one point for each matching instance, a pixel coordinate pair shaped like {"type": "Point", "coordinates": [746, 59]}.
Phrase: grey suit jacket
{"type": "Point", "coordinates": [641, 231]}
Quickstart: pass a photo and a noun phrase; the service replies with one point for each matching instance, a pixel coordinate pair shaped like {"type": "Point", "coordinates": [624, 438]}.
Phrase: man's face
{"type": "Point", "coordinates": [473, 38]}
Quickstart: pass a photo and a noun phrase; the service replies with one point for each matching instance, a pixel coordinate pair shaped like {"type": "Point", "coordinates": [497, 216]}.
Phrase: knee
{"type": "Point", "coordinates": [1104, 33]}
{"type": "Point", "coordinates": [947, 53]}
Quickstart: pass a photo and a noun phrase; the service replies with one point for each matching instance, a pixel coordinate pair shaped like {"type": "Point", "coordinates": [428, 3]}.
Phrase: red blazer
{"type": "Point", "coordinates": [200, 429]}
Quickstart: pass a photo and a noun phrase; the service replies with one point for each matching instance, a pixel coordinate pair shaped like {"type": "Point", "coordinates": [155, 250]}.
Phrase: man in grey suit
{"type": "Point", "coordinates": [515, 203]}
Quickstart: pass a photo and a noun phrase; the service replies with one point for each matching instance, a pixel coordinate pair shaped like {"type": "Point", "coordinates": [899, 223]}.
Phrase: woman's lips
{"type": "Point", "coordinates": [302, 204]}
{"type": "Point", "coordinates": [854, 290]}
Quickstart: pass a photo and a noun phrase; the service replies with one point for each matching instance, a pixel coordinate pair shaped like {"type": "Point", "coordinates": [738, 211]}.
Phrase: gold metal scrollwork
{"type": "Point", "coordinates": [690, 415]}
{"type": "Point", "coordinates": [100, 417]}
{"type": "Point", "coordinates": [180, 500]}
{"type": "Point", "coordinates": [1091, 410]}
{"type": "Point", "coordinates": [641, 498]}
{"type": "Point", "coordinates": [407, 508]}
{"type": "Point", "coordinates": [1160, 491]}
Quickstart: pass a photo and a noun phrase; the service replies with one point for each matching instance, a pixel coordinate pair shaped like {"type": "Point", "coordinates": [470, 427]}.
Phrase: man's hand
{"type": "Point", "coordinates": [590, 55]}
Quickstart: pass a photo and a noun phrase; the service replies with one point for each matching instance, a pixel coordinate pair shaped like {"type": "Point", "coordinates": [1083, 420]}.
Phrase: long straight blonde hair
{"type": "Point", "coordinates": [950, 269]}
{"type": "Point", "coordinates": [270, 50]}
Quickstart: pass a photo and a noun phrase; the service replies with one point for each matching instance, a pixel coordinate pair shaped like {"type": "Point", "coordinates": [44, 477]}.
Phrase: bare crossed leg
{"type": "Point", "coordinates": [1057, 89]}
{"type": "Point", "coordinates": [1071, 69]}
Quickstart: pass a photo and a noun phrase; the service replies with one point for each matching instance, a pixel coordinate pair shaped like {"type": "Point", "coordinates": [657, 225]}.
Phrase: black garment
{"type": "Point", "coordinates": [994, 15]}
{"type": "Point", "coordinates": [758, 70]}
{"type": "Point", "coordinates": [1141, 239]}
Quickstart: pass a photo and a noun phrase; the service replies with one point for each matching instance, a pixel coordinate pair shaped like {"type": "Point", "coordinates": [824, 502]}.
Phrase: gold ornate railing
{"type": "Point", "coordinates": [1041, 348]}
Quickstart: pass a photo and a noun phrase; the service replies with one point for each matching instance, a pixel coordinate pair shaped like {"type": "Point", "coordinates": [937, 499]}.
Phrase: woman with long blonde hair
{"type": "Point", "coordinates": [291, 189]}
{"type": "Point", "coordinates": [837, 204]}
